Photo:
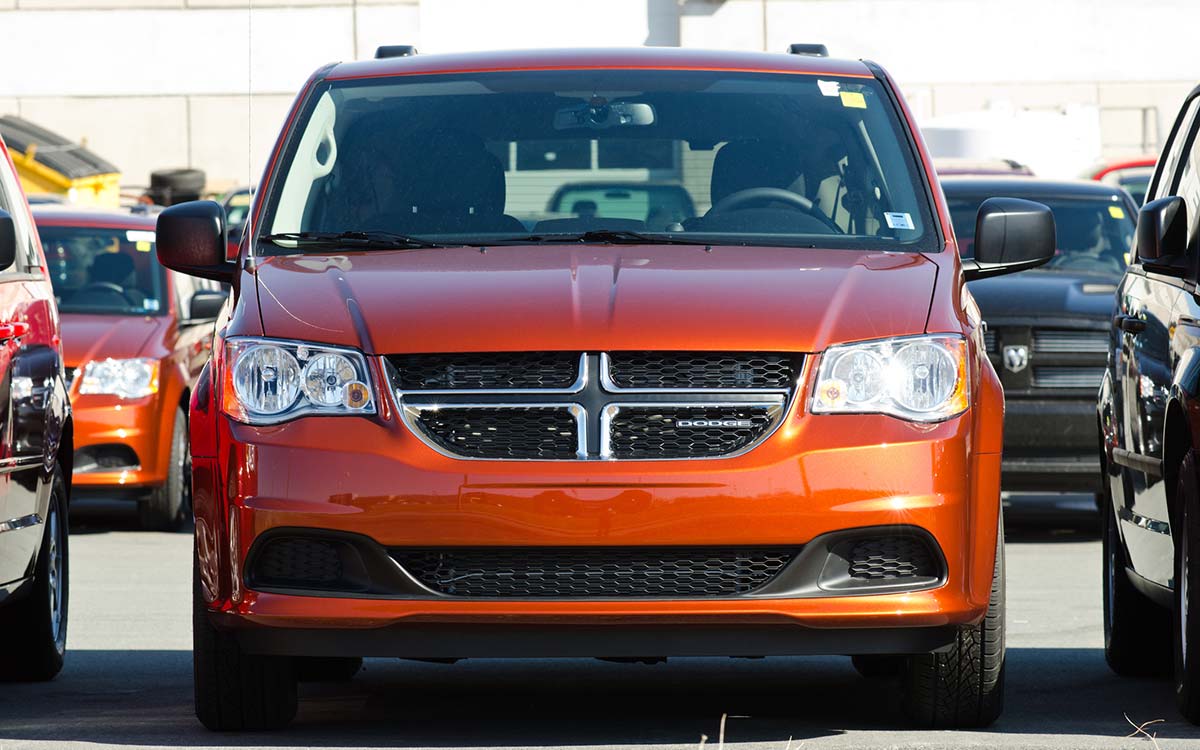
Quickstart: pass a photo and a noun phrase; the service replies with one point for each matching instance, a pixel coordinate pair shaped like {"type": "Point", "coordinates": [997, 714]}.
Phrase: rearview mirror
{"type": "Point", "coordinates": [599, 114]}
{"type": "Point", "coordinates": [8, 239]}
{"type": "Point", "coordinates": [1010, 235]}
{"type": "Point", "coordinates": [206, 305]}
{"type": "Point", "coordinates": [1162, 236]}
{"type": "Point", "coordinates": [192, 240]}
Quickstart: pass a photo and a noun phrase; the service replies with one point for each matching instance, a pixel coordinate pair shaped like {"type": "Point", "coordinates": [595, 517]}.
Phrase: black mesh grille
{"type": "Point", "coordinates": [682, 432]}
{"type": "Point", "coordinates": [715, 370]}
{"type": "Point", "coordinates": [436, 372]}
{"type": "Point", "coordinates": [525, 572]}
{"type": "Point", "coordinates": [302, 563]}
{"type": "Point", "coordinates": [892, 557]}
{"type": "Point", "coordinates": [489, 432]}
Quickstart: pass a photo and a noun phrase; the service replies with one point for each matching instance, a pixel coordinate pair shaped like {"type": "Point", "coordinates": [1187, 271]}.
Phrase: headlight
{"type": "Point", "coordinates": [918, 378]}
{"type": "Point", "coordinates": [268, 381]}
{"type": "Point", "coordinates": [127, 378]}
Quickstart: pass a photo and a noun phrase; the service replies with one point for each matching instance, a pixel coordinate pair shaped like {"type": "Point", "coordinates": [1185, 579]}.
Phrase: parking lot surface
{"type": "Point", "coordinates": [127, 682]}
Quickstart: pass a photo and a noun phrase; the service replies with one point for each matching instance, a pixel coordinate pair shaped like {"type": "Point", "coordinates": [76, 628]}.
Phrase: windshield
{"type": "Point", "coordinates": [546, 156]}
{"type": "Point", "coordinates": [103, 270]}
{"type": "Point", "coordinates": [1094, 234]}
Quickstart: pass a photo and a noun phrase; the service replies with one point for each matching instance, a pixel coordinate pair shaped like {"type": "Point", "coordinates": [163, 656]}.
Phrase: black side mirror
{"type": "Point", "coordinates": [1010, 235]}
{"type": "Point", "coordinates": [205, 305]}
{"type": "Point", "coordinates": [192, 240]}
{"type": "Point", "coordinates": [1162, 236]}
{"type": "Point", "coordinates": [8, 239]}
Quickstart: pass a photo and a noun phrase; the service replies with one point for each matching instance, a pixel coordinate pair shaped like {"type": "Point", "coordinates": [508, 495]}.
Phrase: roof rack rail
{"type": "Point", "coordinates": [395, 50]}
{"type": "Point", "coordinates": [812, 50]}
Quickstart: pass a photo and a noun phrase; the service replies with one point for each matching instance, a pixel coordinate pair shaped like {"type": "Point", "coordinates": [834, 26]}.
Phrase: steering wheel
{"type": "Point", "coordinates": [105, 286]}
{"type": "Point", "coordinates": [761, 195]}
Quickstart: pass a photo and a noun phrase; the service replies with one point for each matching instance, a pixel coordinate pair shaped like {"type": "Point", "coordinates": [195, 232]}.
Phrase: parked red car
{"type": "Point", "coordinates": [135, 337]}
{"type": "Point", "coordinates": [35, 450]}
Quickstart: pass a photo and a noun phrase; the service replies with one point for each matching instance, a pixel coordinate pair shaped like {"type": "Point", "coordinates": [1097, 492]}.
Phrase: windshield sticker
{"type": "Point", "coordinates": [854, 100]}
{"type": "Point", "coordinates": [898, 221]}
{"type": "Point", "coordinates": [150, 304]}
{"type": "Point", "coordinates": [136, 235]}
{"type": "Point", "coordinates": [143, 246]}
{"type": "Point", "coordinates": [829, 88]}
{"type": "Point", "coordinates": [1116, 212]}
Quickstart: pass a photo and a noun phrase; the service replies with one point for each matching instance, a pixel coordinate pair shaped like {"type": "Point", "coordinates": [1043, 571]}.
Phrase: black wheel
{"type": "Point", "coordinates": [1137, 632]}
{"type": "Point", "coordinates": [166, 508]}
{"type": "Point", "coordinates": [327, 668]}
{"type": "Point", "coordinates": [234, 690]}
{"type": "Point", "coordinates": [35, 628]}
{"type": "Point", "coordinates": [963, 687]}
{"type": "Point", "coordinates": [1187, 591]}
{"type": "Point", "coordinates": [878, 666]}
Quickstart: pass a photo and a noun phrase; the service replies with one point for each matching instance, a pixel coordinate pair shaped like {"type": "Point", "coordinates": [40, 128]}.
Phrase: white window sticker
{"type": "Point", "coordinates": [150, 304]}
{"type": "Point", "coordinates": [829, 88]}
{"type": "Point", "coordinates": [898, 221]}
{"type": "Point", "coordinates": [135, 235]}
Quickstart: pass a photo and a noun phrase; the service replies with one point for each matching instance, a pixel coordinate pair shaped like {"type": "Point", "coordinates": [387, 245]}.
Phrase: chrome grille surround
{"type": "Point", "coordinates": [598, 406]}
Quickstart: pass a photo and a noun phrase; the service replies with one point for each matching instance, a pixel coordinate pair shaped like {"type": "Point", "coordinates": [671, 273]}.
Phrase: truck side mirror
{"type": "Point", "coordinates": [1162, 236]}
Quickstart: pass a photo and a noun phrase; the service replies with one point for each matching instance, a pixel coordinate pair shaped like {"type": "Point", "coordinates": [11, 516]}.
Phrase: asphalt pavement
{"type": "Point", "coordinates": [127, 682]}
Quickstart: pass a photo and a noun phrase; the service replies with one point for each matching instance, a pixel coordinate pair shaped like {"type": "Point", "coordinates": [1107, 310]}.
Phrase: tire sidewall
{"type": "Point", "coordinates": [1186, 611]}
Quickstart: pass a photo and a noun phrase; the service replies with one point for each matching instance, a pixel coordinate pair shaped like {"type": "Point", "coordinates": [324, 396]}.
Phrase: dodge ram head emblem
{"type": "Point", "coordinates": [1016, 358]}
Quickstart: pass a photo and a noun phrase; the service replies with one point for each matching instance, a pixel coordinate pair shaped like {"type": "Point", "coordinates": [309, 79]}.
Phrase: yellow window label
{"type": "Point", "coordinates": [1116, 212]}
{"type": "Point", "coordinates": [853, 99]}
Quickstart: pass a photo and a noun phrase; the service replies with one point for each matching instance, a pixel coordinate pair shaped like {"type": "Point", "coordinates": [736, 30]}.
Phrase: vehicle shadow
{"type": "Point", "coordinates": [144, 698]}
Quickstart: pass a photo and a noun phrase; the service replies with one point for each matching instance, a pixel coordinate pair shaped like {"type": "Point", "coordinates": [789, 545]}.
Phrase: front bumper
{"type": "Point", "coordinates": [817, 475]}
{"type": "Point", "coordinates": [131, 436]}
{"type": "Point", "coordinates": [1050, 446]}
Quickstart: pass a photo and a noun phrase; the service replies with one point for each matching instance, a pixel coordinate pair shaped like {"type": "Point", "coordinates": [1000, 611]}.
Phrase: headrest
{"type": "Point", "coordinates": [753, 163]}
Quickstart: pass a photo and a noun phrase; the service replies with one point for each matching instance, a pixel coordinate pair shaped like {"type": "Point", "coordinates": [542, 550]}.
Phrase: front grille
{"type": "Point", "coordinates": [647, 432]}
{"type": "Point", "coordinates": [891, 557]}
{"type": "Point", "coordinates": [989, 341]}
{"type": "Point", "coordinates": [539, 572]}
{"type": "Point", "coordinates": [593, 406]}
{"type": "Point", "coordinates": [1068, 377]}
{"type": "Point", "coordinates": [297, 563]}
{"type": "Point", "coordinates": [1047, 341]}
{"type": "Point", "coordinates": [676, 370]}
{"type": "Point", "coordinates": [505, 370]}
{"type": "Point", "coordinates": [523, 432]}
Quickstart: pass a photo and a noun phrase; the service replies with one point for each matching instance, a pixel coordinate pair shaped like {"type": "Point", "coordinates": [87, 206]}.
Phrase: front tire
{"type": "Point", "coordinates": [963, 687]}
{"type": "Point", "coordinates": [166, 507]}
{"type": "Point", "coordinates": [1186, 618]}
{"type": "Point", "coordinates": [236, 691]}
{"type": "Point", "coordinates": [35, 628]}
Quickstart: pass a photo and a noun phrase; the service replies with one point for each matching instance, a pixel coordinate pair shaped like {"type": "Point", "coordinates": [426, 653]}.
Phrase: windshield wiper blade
{"type": "Point", "coordinates": [367, 240]}
{"type": "Point", "coordinates": [611, 236]}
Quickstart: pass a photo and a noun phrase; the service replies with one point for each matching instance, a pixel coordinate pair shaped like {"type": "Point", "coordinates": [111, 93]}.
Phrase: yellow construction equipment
{"type": "Point", "coordinates": [49, 164]}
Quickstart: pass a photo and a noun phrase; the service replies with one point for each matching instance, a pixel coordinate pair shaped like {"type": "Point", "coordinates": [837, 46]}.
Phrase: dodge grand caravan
{"type": "Point", "coordinates": [430, 431]}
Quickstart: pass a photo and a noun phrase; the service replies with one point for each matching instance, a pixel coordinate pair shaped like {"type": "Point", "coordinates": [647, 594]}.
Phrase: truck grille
{"type": "Point", "coordinates": [1049, 341]}
{"type": "Point", "coordinates": [1068, 377]}
{"type": "Point", "coordinates": [584, 406]}
{"type": "Point", "coordinates": [533, 572]}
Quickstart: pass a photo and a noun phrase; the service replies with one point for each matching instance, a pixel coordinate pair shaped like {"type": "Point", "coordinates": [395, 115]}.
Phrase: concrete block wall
{"type": "Point", "coordinates": [206, 83]}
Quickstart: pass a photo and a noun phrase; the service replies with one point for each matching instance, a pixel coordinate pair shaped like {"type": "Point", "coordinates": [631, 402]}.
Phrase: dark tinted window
{"type": "Point", "coordinates": [104, 271]}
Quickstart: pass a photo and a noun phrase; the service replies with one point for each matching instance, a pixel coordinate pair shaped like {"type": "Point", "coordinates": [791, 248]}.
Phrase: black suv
{"type": "Point", "coordinates": [1048, 329]}
{"type": "Point", "coordinates": [1150, 423]}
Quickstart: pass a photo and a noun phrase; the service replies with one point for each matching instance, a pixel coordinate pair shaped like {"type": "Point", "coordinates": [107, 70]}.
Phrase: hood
{"type": "Point", "coordinates": [89, 337]}
{"type": "Point", "coordinates": [1046, 294]}
{"type": "Point", "coordinates": [595, 298]}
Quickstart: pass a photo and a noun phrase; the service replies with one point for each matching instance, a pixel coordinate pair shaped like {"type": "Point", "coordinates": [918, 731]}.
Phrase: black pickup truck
{"type": "Point", "coordinates": [1047, 330]}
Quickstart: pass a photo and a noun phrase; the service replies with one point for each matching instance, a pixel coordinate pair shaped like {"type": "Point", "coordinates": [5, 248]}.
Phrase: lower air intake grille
{"type": "Point", "coordinates": [890, 558]}
{"type": "Point", "coordinates": [678, 431]}
{"type": "Point", "coordinates": [539, 572]}
{"type": "Point", "coordinates": [528, 432]}
{"type": "Point", "coordinates": [298, 563]}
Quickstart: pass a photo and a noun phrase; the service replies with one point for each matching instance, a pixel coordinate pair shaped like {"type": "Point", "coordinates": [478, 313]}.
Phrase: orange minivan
{"type": "Point", "coordinates": [439, 424]}
{"type": "Point", "coordinates": [134, 338]}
